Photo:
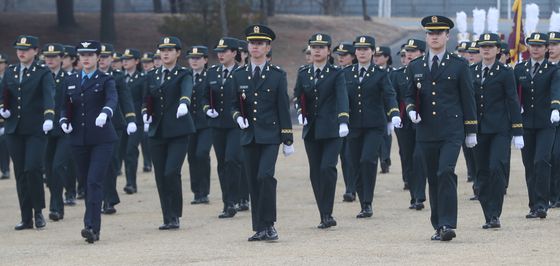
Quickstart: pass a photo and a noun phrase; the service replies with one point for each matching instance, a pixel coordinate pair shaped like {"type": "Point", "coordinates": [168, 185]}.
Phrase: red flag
{"type": "Point", "coordinates": [516, 40]}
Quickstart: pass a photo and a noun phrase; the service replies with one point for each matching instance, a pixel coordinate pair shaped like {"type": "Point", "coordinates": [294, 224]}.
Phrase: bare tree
{"type": "Point", "coordinates": [264, 12]}
{"type": "Point", "coordinates": [271, 8]}
{"type": "Point", "coordinates": [173, 6]}
{"type": "Point", "coordinates": [157, 6]}
{"type": "Point", "coordinates": [223, 18]}
{"type": "Point", "coordinates": [108, 32]}
{"type": "Point", "coordinates": [331, 7]}
{"type": "Point", "coordinates": [364, 11]}
{"type": "Point", "coordinates": [65, 13]}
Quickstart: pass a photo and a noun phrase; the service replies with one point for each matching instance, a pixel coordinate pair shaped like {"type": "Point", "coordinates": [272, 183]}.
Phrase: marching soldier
{"type": "Point", "coordinates": [200, 142]}
{"type": "Point", "coordinates": [382, 58]}
{"type": "Point", "coordinates": [137, 85]}
{"type": "Point", "coordinates": [124, 118]}
{"type": "Point", "coordinates": [4, 155]}
{"type": "Point", "coordinates": [554, 58]}
{"type": "Point", "coordinates": [148, 61]}
{"type": "Point", "coordinates": [145, 145]}
{"type": "Point", "coordinates": [167, 112]}
{"type": "Point", "coordinates": [402, 55]}
{"type": "Point", "coordinates": [372, 99]}
{"type": "Point", "coordinates": [157, 59]}
{"type": "Point", "coordinates": [323, 111]}
{"type": "Point", "coordinates": [261, 109]}
{"type": "Point", "coordinates": [26, 102]}
{"type": "Point", "coordinates": [539, 91]}
{"type": "Point", "coordinates": [346, 57]}
{"type": "Point", "coordinates": [57, 155]}
{"type": "Point", "coordinates": [473, 56]}
{"type": "Point", "coordinates": [504, 53]}
{"type": "Point", "coordinates": [116, 63]}
{"type": "Point", "coordinates": [462, 49]}
{"type": "Point", "coordinates": [70, 59]}
{"type": "Point", "coordinates": [225, 132]}
{"type": "Point", "coordinates": [499, 118]}
{"type": "Point", "coordinates": [412, 172]}
{"type": "Point", "coordinates": [90, 98]}
{"type": "Point", "coordinates": [440, 100]}
{"type": "Point", "coordinates": [243, 52]}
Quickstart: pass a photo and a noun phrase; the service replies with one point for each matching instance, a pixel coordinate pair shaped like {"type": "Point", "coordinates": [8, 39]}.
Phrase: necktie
{"type": "Point", "coordinates": [165, 75]}
{"type": "Point", "coordinates": [317, 74]}
{"type": "Point", "coordinates": [536, 67]}
{"type": "Point", "coordinates": [196, 77]}
{"type": "Point", "coordinates": [23, 73]}
{"type": "Point", "coordinates": [53, 75]}
{"type": "Point", "coordinates": [84, 79]}
{"type": "Point", "coordinates": [362, 73]}
{"type": "Point", "coordinates": [435, 65]}
{"type": "Point", "coordinates": [257, 75]}
{"type": "Point", "coordinates": [226, 72]}
{"type": "Point", "coordinates": [127, 78]}
{"type": "Point", "coordinates": [485, 73]}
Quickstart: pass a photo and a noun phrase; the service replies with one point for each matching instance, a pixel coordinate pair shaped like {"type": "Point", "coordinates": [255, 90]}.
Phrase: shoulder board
{"type": "Point", "coordinates": [348, 66]}
{"type": "Point", "coordinates": [276, 68]}
{"type": "Point", "coordinates": [420, 58]}
{"type": "Point", "coordinates": [213, 66]}
{"type": "Point", "coordinates": [456, 56]}
{"type": "Point", "coordinates": [12, 66]}
{"type": "Point", "coordinates": [335, 66]}
{"type": "Point", "coordinates": [102, 74]}
{"type": "Point", "coordinates": [239, 69]}
{"type": "Point", "coordinates": [304, 67]}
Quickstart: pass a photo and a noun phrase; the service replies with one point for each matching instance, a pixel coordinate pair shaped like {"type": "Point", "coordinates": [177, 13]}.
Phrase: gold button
{"type": "Point", "coordinates": [255, 102]}
{"type": "Point", "coordinates": [481, 96]}
{"type": "Point", "coordinates": [161, 98]}
{"type": "Point", "coordinates": [256, 94]}
{"type": "Point", "coordinates": [254, 119]}
{"type": "Point", "coordinates": [359, 95]}
{"type": "Point", "coordinates": [359, 103]}
{"type": "Point", "coordinates": [532, 90]}
{"type": "Point", "coordinates": [433, 103]}
{"type": "Point", "coordinates": [433, 93]}
{"type": "Point", "coordinates": [482, 105]}
{"type": "Point", "coordinates": [434, 83]}
{"type": "Point", "coordinates": [19, 98]}
{"type": "Point", "coordinates": [433, 113]}
{"type": "Point", "coordinates": [360, 110]}
{"type": "Point", "coordinates": [531, 82]}
{"type": "Point", "coordinates": [19, 107]}
{"type": "Point", "coordinates": [254, 110]}
{"type": "Point", "coordinates": [532, 106]}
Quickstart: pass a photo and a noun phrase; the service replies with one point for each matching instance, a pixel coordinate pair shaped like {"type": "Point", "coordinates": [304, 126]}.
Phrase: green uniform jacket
{"type": "Point", "coordinates": [124, 113]}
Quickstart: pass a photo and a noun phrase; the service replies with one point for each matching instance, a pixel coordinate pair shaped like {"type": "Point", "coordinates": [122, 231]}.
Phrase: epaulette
{"type": "Point", "coordinates": [12, 66]}
{"type": "Point", "coordinates": [304, 68]}
{"type": "Point", "coordinates": [417, 58]}
{"type": "Point", "coordinates": [214, 66]}
{"type": "Point", "coordinates": [276, 68]}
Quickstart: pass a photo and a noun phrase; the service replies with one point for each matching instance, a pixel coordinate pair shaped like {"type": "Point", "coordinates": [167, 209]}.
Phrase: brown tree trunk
{"type": "Point", "coordinates": [173, 6]}
{"type": "Point", "coordinates": [223, 18]}
{"type": "Point", "coordinates": [264, 12]}
{"type": "Point", "coordinates": [157, 6]}
{"type": "Point", "coordinates": [108, 32]}
{"type": "Point", "coordinates": [364, 11]}
{"type": "Point", "coordinates": [65, 13]}
{"type": "Point", "coordinates": [271, 8]}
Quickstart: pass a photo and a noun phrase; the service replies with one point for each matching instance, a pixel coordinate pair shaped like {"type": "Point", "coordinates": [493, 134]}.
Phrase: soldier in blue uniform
{"type": "Point", "coordinates": [372, 99]}
{"type": "Point", "coordinates": [382, 58]}
{"type": "Point", "coordinates": [539, 90]}
{"type": "Point", "coordinates": [225, 132]}
{"type": "Point", "coordinates": [322, 100]}
{"type": "Point", "coordinates": [166, 110]}
{"type": "Point", "coordinates": [137, 85]}
{"type": "Point", "coordinates": [26, 102]}
{"type": "Point", "coordinates": [473, 56]}
{"type": "Point", "coordinates": [90, 98]}
{"type": "Point", "coordinates": [554, 58]}
{"type": "Point", "coordinates": [346, 56]}
{"type": "Point", "coordinates": [4, 155]}
{"type": "Point", "coordinates": [57, 155]}
{"type": "Point", "coordinates": [200, 142]}
{"type": "Point", "coordinates": [261, 108]}
{"type": "Point", "coordinates": [499, 118]}
{"type": "Point", "coordinates": [124, 119]}
{"type": "Point", "coordinates": [440, 100]}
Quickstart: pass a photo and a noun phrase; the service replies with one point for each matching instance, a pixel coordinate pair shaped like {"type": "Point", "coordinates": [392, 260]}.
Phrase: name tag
{"type": "Point", "coordinates": [213, 82]}
{"type": "Point", "coordinates": [71, 87]}
{"type": "Point", "coordinates": [418, 75]}
{"type": "Point", "coordinates": [522, 77]}
{"type": "Point", "coordinates": [244, 87]}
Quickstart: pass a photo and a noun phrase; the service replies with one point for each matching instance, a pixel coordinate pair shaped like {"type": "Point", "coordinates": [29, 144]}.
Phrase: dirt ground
{"type": "Point", "coordinates": [394, 235]}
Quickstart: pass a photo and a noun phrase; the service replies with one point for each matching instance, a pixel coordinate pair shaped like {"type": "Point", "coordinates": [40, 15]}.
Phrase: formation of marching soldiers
{"type": "Point", "coordinates": [102, 105]}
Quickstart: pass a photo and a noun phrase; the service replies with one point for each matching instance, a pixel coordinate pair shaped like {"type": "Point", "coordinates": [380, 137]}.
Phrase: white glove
{"type": "Point", "coordinates": [47, 126]}
{"type": "Point", "coordinates": [242, 122]}
{"type": "Point", "coordinates": [66, 127]}
{"type": "Point", "coordinates": [554, 116]}
{"type": "Point", "coordinates": [390, 128]}
{"type": "Point", "coordinates": [343, 130]}
{"type": "Point", "coordinates": [131, 128]}
{"type": "Point", "coordinates": [182, 110]}
{"type": "Point", "coordinates": [396, 121]}
{"type": "Point", "coordinates": [518, 142]}
{"type": "Point", "coordinates": [147, 119]}
{"type": "Point", "coordinates": [212, 113]}
{"type": "Point", "coordinates": [288, 150]}
{"type": "Point", "coordinates": [5, 113]}
{"type": "Point", "coordinates": [301, 120]}
{"type": "Point", "coordinates": [522, 110]}
{"type": "Point", "coordinates": [146, 127]}
{"type": "Point", "coordinates": [470, 140]}
{"type": "Point", "coordinates": [2, 131]}
{"type": "Point", "coordinates": [414, 117]}
{"type": "Point", "coordinates": [101, 120]}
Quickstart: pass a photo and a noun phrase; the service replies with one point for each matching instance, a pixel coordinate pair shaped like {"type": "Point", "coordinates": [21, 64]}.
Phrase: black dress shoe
{"type": "Point", "coordinates": [258, 236]}
{"type": "Point", "coordinates": [195, 201]}
{"type": "Point", "coordinates": [494, 223]}
{"type": "Point", "coordinates": [81, 195]}
{"type": "Point", "coordinates": [447, 234]}
{"type": "Point", "coordinates": [174, 224]}
{"type": "Point", "coordinates": [129, 189]}
{"type": "Point", "coordinates": [406, 187]}
{"type": "Point", "coordinates": [348, 197]}
{"type": "Point", "coordinates": [5, 175]}
{"type": "Point", "coordinates": [89, 235]}
{"type": "Point", "coordinates": [326, 222]}
{"type": "Point", "coordinates": [436, 236]}
{"type": "Point", "coordinates": [56, 216]}
{"type": "Point", "coordinates": [24, 225]}
{"type": "Point", "coordinates": [469, 179]}
{"type": "Point", "coordinates": [109, 209]}
{"type": "Point", "coordinates": [242, 206]}
{"type": "Point", "coordinates": [271, 234]}
{"type": "Point", "coordinates": [147, 169]}
{"type": "Point", "coordinates": [475, 197]}
{"type": "Point", "coordinates": [366, 212]}
{"type": "Point", "coordinates": [531, 215]}
{"type": "Point", "coordinates": [203, 200]}
{"type": "Point", "coordinates": [419, 206]}
{"type": "Point", "coordinates": [70, 201]}
{"type": "Point", "coordinates": [229, 212]}
{"type": "Point", "coordinates": [541, 213]}
{"type": "Point", "coordinates": [384, 168]}
{"type": "Point", "coordinates": [164, 226]}
{"type": "Point", "coordinates": [39, 220]}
